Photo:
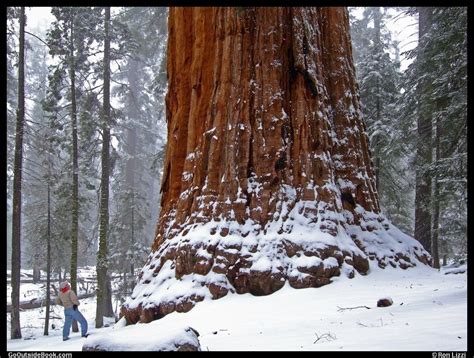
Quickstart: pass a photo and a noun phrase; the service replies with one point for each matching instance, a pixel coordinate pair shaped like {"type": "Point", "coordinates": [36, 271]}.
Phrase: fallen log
{"type": "Point", "coordinates": [36, 303]}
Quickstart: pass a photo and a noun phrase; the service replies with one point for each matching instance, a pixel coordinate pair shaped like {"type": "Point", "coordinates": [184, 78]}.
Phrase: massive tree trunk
{"type": "Point", "coordinates": [15, 327]}
{"type": "Point", "coordinates": [267, 176]}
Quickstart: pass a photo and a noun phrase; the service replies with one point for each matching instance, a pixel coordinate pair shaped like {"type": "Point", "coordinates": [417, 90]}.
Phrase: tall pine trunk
{"type": "Point", "coordinates": [36, 270]}
{"type": "Point", "coordinates": [75, 168]}
{"type": "Point", "coordinates": [267, 176]}
{"type": "Point", "coordinates": [131, 165]}
{"type": "Point", "coordinates": [423, 149]}
{"type": "Point", "coordinates": [48, 261]}
{"type": "Point", "coordinates": [104, 295]}
{"type": "Point", "coordinates": [378, 106]}
{"type": "Point", "coordinates": [15, 330]}
{"type": "Point", "coordinates": [436, 198]}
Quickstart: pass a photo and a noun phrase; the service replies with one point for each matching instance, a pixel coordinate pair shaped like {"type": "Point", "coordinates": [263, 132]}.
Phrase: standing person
{"type": "Point", "coordinates": [68, 299]}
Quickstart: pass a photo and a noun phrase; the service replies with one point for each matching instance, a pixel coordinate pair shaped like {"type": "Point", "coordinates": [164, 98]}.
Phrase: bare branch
{"type": "Point", "coordinates": [29, 33]}
{"type": "Point", "coordinates": [326, 336]}
{"type": "Point", "coordinates": [341, 309]}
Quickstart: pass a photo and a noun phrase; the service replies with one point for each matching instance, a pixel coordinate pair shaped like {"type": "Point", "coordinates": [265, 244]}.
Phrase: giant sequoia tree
{"type": "Point", "coordinates": [267, 176]}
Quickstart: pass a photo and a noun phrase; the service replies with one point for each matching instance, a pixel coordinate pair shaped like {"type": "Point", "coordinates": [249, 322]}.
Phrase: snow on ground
{"type": "Point", "coordinates": [429, 312]}
{"type": "Point", "coordinates": [32, 322]}
{"type": "Point", "coordinates": [164, 338]}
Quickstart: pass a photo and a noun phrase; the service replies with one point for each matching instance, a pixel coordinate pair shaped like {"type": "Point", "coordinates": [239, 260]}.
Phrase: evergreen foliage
{"type": "Point", "coordinates": [433, 86]}
{"type": "Point", "coordinates": [140, 136]}
{"type": "Point", "coordinates": [379, 77]}
{"type": "Point", "coordinates": [441, 61]}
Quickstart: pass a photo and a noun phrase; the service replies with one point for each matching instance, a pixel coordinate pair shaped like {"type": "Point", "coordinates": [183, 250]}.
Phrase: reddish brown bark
{"type": "Point", "coordinates": [268, 176]}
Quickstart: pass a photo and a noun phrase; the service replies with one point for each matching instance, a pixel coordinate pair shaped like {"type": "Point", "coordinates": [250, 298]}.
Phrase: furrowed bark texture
{"type": "Point", "coordinates": [267, 176]}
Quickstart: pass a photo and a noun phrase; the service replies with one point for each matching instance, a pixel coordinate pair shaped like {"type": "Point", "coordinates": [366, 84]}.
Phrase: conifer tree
{"type": "Point", "coordinates": [15, 330]}
{"type": "Point", "coordinates": [379, 77]}
{"type": "Point", "coordinates": [140, 132]}
{"type": "Point", "coordinates": [70, 38]}
{"type": "Point", "coordinates": [104, 299]}
{"type": "Point", "coordinates": [436, 96]}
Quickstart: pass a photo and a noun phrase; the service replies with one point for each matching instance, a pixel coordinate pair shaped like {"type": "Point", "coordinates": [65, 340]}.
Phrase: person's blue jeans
{"type": "Point", "coordinates": [71, 315]}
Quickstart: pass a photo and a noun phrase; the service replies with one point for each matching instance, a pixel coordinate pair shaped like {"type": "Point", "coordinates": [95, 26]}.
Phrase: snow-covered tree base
{"type": "Point", "coordinates": [210, 260]}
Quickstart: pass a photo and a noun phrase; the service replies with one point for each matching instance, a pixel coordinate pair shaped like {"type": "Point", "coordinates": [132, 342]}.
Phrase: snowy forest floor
{"type": "Point", "coordinates": [429, 313]}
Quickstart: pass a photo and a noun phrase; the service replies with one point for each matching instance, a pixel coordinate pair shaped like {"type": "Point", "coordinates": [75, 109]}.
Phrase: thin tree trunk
{"type": "Point", "coordinates": [17, 181]}
{"type": "Point", "coordinates": [104, 303]}
{"type": "Point", "coordinates": [109, 308]}
{"type": "Point", "coordinates": [36, 270]}
{"type": "Point", "coordinates": [130, 167]}
{"type": "Point", "coordinates": [378, 116]}
{"type": "Point", "coordinates": [436, 199]}
{"type": "Point", "coordinates": [48, 262]}
{"type": "Point", "coordinates": [132, 229]}
{"type": "Point", "coordinates": [424, 149]}
{"type": "Point", "coordinates": [435, 236]}
{"type": "Point", "coordinates": [124, 283]}
{"type": "Point", "coordinates": [75, 170]}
